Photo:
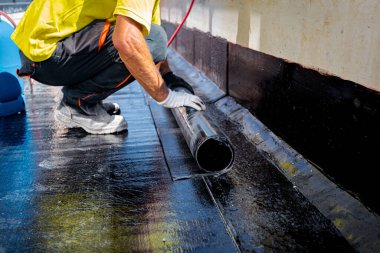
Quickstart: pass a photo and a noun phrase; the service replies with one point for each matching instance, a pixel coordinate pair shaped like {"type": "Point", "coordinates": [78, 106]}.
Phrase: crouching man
{"type": "Point", "coordinates": [94, 48]}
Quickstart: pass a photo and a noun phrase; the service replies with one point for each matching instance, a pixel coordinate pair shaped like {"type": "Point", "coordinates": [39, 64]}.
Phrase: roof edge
{"type": "Point", "coordinates": [359, 225]}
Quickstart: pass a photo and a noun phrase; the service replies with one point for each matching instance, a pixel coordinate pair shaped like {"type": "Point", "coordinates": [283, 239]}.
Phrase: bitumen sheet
{"type": "Point", "coordinates": [63, 190]}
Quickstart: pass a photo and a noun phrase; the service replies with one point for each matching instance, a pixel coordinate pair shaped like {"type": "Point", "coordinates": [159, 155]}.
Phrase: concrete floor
{"type": "Point", "coordinates": [65, 190]}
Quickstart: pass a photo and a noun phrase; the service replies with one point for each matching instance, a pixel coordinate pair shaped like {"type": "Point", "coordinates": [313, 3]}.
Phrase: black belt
{"type": "Point", "coordinates": [28, 67]}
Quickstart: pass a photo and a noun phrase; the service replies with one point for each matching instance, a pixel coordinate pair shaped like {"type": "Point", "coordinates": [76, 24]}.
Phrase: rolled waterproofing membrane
{"type": "Point", "coordinates": [208, 145]}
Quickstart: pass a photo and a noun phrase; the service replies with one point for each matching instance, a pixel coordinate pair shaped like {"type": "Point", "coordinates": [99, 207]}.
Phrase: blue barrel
{"type": "Point", "coordinates": [11, 86]}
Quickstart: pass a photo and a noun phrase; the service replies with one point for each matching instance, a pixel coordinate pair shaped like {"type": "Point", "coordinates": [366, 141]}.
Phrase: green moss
{"type": "Point", "coordinates": [85, 222]}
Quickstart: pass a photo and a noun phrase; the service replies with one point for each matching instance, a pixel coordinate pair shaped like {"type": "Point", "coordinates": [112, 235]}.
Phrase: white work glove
{"type": "Point", "coordinates": [181, 98]}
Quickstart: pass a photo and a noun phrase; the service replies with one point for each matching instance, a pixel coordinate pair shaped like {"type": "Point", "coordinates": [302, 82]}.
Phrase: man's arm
{"type": "Point", "coordinates": [134, 52]}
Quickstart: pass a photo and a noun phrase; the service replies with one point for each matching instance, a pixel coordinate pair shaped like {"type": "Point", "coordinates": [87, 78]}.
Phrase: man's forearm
{"type": "Point", "coordinates": [135, 54]}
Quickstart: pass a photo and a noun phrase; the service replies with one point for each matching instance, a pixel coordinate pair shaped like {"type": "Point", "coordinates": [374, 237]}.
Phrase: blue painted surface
{"type": "Point", "coordinates": [17, 195]}
{"type": "Point", "coordinates": [11, 86]}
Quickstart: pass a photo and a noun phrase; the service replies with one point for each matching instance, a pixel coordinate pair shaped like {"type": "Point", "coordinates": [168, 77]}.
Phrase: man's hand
{"type": "Point", "coordinates": [181, 98]}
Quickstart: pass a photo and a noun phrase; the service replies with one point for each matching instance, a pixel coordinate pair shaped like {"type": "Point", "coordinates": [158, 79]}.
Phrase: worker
{"type": "Point", "coordinates": [94, 48]}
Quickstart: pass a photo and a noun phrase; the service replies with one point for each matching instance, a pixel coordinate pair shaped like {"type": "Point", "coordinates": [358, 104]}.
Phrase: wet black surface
{"type": "Point", "coordinates": [266, 212]}
{"type": "Point", "coordinates": [67, 191]}
{"type": "Point", "coordinates": [262, 210]}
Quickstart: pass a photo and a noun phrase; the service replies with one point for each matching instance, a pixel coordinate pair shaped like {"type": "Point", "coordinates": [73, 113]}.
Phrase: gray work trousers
{"type": "Point", "coordinates": [88, 65]}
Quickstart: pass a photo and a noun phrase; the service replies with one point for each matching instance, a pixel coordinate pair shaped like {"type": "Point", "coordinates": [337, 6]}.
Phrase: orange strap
{"type": "Point", "coordinates": [103, 35]}
{"type": "Point", "coordinates": [123, 82]}
{"type": "Point", "coordinates": [18, 74]}
{"type": "Point", "coordinates": [25, 76]}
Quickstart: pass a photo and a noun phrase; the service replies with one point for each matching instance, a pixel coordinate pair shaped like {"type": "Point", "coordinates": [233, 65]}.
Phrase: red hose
{"type": "Point", "coordinates": [9, 18]}
{"type": "Point", "coordinates": [181, 24]}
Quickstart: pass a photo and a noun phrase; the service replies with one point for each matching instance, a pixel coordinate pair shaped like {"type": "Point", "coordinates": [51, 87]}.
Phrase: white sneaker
{"type": "Point", "coordinates": [99, 122]}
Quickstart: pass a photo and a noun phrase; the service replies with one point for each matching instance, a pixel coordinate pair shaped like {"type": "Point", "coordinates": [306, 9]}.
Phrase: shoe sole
{"type": "Point", "coordinates": [67, 121]}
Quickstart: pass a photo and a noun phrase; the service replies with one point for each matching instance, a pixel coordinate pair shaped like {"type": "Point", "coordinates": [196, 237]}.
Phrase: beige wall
{"type": "Point", "coordinates": [341, 37]}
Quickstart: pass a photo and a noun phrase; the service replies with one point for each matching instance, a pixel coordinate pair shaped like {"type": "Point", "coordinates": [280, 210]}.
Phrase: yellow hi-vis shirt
{"type": "Point", "coordinates": [46, 22]}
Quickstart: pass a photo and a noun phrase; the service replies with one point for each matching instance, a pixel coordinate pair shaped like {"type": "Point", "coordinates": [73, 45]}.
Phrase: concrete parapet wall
{"type": "Point", "coordinates": [338, 37]}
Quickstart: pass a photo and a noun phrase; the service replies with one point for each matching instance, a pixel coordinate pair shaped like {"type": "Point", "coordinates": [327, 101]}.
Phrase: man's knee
{"type": "Point", "coordinates": [157, 42]}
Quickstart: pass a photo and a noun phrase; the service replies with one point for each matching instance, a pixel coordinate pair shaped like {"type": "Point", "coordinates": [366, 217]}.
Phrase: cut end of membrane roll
{"type": "Point", "coordinates": [215, 155]}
